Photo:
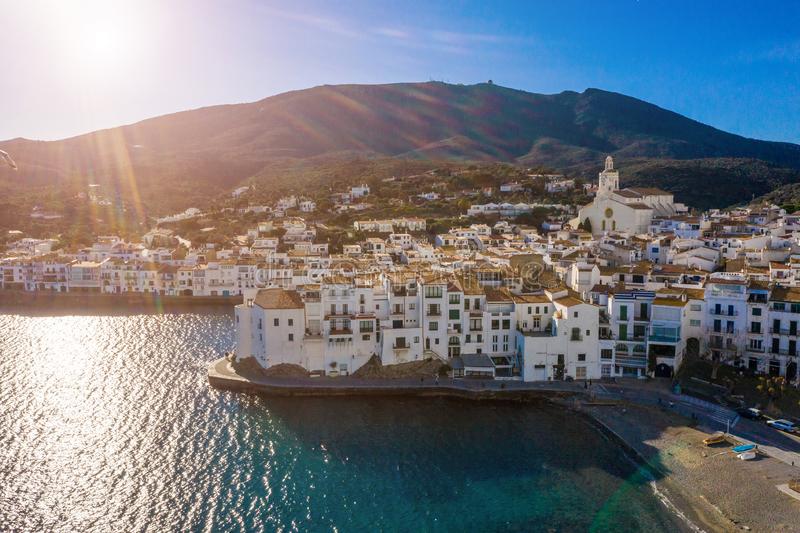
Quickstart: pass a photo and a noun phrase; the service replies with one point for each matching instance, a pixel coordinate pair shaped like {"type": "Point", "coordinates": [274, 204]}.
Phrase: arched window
{"type": "Point", "coordinates": [622, 348]}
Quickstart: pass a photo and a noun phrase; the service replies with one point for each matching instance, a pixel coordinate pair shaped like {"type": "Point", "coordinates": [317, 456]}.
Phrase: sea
{"type": "Point", "coordinates": [107, 423]}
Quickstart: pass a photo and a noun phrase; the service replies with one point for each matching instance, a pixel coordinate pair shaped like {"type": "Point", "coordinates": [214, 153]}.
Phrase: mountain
{"type": "Point", "coordinates": [171, 161]}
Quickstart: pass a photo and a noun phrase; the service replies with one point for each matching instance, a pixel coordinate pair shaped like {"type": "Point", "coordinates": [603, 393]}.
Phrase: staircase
{"type": "Point", "coordinates": [430, 354]}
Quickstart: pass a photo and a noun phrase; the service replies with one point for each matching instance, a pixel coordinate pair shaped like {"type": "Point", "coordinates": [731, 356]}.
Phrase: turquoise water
{"type": "Point", "coordinates": [108, 424]}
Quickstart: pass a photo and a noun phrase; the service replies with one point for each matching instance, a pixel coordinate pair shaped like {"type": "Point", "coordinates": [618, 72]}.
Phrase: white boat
{"type": "Point", "coordinates": [747, 456]}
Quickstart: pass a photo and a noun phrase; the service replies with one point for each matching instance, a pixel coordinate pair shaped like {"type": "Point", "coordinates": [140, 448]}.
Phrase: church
{"type": "Point", "coordinates": [630, 210]}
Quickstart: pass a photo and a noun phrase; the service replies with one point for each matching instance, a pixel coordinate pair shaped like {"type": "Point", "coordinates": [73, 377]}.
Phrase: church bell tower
{"type": "Point", "coordinates": [608, 180]}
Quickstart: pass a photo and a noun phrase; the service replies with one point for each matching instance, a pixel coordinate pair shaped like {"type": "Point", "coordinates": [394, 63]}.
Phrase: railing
{"type": "Point", "coordinates": [664, 338]}
{"type": "Point", "coordinates": [724, 312]}
{"type": "Point", "coordinates": [753, 349]}
{"type": "Point", "coordinates": [782, 351]}
{"type": "Point", "coordinates": [400, 347]}
{"type": "Point", "coordinates": [341, 331]}
{"type": "Point", "coordinates": [631, 360]}
{"type": "Point", "coordinates": [434, 312]}
{"type": "Point", "coordinates": [783, 331]}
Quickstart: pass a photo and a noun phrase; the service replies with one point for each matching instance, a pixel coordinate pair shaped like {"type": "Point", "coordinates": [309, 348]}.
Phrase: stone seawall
{"type": "Point", "coordinates": [90, 300]}
{"type": "Point", "coordinates": [221, 376]}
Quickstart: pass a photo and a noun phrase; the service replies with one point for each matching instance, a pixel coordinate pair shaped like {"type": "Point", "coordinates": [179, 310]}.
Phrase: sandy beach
{"type": "Point", "coordinates": [709, 485]}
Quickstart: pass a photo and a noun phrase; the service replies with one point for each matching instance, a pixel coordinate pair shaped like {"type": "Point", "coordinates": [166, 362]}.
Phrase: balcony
{"type": "Point", "coordinates": [753, 349]}
{"type": "Point", "coordinates": [434, 312]}
{"type": "Point", "coordinates": [664, 338]}
{"type": "Point", "coordinates": [341, 331]}
{"type": "Point", "coordinates": [783, 351]}
{"type": "Point", "coordinates": [629, 360]}
{"type": "Point", "coordinates": [724, 312]}
{"type": "Point", "coordinates": [783, 331]}
{"type": "Point", "coordinates": [546, 332]}
{"type": "Point", "coordinates": [400, 346]}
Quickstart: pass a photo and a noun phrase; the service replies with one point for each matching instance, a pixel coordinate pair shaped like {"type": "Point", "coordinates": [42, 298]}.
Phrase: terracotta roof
{"type": "Point", "coordinates": [531, 298]}
{"type": "Point", "coordinates": [785, 294]}
{"type": "Point", "coordinates": [649, 191]}
{"type": "Point", "coordinates": [278, 299]}
{"type": "Point", "coordinates": [675, 302]}
{"type": "Point", "coordinates": [569, 301]}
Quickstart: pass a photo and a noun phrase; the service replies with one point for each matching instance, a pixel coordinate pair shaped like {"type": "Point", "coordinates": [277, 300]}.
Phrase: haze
{"type": "Point", "coordinates": [73, 67]}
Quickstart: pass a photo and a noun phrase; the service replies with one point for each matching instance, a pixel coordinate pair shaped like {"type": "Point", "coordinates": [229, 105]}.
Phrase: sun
{"type": "Point", "coordinates": [97, 38]}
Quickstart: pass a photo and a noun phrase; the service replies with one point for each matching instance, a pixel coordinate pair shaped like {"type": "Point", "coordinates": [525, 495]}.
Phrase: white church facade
{"type": "Point", "coordinates": [630, 210]}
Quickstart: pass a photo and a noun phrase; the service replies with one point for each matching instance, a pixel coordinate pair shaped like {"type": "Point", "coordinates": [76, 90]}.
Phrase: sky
{"type": "Point", "coordinates": [74, 66]}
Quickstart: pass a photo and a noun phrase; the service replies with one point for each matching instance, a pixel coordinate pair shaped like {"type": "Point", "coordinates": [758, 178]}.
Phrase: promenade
{"type": "Point", "coordinates": [222, 375]}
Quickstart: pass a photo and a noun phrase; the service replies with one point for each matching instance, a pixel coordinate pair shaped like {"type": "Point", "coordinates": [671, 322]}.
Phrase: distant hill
{"type": "Point", "coordinates": [171, 161]}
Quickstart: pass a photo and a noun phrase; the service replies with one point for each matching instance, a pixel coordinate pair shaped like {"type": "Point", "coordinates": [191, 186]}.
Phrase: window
{"type": "Point", "coordinates": [623, 312]}
{"type": "Point", "coordinates": [259, 323]}
{"type": "Point", "coordinates": [466, 304]}
{"type": "Point", "coordinates": [495, 324]}
{"type": "Point", "coordinates": [581, 357]}
{"type": "Point", "coordinates": [433, 326]}
{"type": "Point", "coordinates": [779, 306]}
{"type": "Point", "coordinates": [575, 314]}
{"type": "Point", "coordinates": [537, 322]}
{"type": "Point", "coordinates": [291, 337]}
{"type": "Point", "coordinates": [588, 332]}
{"type": "Point", "coordinates": [276, 322]}
{"type": "Point", "coordinates": [755, 327]}
{"type": "Point", "coordinates": [580, 372]}
{"type": "Point", "coordinates": [433, 291]}
{"type": "Point", "coordinates": [365, 337]}
{"type": "Point", "coordinates": [606, 353]}
{"type": "Point", "coordinates": [576, 334]}
{"type": "Point", "coordinates": [454, 298]}
{"type": "Point", "coordinates": [366, 326]}
{"type": "Point", "coordinates": [291, 322]}
{"type": "Point", "coordinates": [506, 324]}
{"type": "Point", "coordinates": [694, 323]}
{"type": "Point", "coordinates": [756, 311]}
{"type": "Point", "coordinates": [695, 307]}
{"type": "Point", "coordinates": [454, 314]}
{"type": "Point", "coordinates": [434, 310]}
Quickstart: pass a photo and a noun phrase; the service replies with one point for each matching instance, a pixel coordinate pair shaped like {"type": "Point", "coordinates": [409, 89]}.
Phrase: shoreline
{"type": "Point", "coordinates": [706, 489]}
{"type": "Point", "coordinates": [15, 300]}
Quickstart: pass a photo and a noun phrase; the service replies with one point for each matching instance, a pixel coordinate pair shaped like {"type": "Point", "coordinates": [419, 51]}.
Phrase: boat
{"type": "Point", "coordinates": [744, 448]}
{"type": "Point", "coordinates": [714, 439]}
{"type": "Point", "coordinates": [747, 456]}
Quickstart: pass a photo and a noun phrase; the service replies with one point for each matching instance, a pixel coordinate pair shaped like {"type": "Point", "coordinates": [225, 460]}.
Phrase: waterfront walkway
{"type": "Point", "coordinates": [222, 375]}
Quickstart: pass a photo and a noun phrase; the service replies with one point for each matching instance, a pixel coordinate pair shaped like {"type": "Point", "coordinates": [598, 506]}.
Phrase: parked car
{"type": "Point", "coordinates": [750, 412]}
{"type": "Point", "coordinates": [783, 425]}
